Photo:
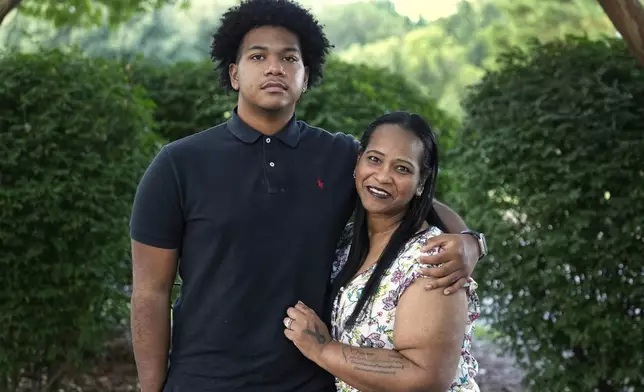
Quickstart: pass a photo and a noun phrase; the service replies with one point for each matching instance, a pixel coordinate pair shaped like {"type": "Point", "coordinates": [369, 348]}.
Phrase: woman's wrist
{"type": "Point", "coordinates": [327, 353]}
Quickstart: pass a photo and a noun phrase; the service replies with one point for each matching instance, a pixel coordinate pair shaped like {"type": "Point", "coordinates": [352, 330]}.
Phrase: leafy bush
{"type": "Point", "coordinates": [189, 99]}
{"type": "Point", "coordinates": [351, 96]}
{"type": "Point", "coordinates": [73, 144]}
{"type": "Point", "coordinates": [187, 96]}
{"type": "Point", "coordinates": [549, 165]}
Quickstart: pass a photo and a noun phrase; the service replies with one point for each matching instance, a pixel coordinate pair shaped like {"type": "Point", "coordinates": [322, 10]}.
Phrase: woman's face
{"type": "Point", "coordinates": [388, 171]}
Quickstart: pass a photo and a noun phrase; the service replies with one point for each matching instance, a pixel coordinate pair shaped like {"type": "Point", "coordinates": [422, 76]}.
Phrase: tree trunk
{"type": "Point", "coordinates": [6, 6]}
{"type": "Point", "coordinates": [628, 18]}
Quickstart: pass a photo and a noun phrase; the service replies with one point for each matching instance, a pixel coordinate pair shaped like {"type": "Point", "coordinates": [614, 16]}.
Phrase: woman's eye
{"type": "Point", "coordinates": [404, 169]}
{"type": "Point", "coordinates": [373, 159]}
{"type": "Point", "coordinates": [256, 57]}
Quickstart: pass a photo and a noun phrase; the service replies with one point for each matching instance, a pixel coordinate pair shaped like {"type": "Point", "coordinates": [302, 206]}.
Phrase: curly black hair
{"type": "Point", "coordinates": [249, 14]}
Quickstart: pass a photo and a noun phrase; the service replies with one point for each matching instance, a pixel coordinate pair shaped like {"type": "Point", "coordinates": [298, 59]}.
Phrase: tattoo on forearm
{"type": "Point", "coordinates": [317, 335]}
{"type": "Point", "coordinates": [366, 361]}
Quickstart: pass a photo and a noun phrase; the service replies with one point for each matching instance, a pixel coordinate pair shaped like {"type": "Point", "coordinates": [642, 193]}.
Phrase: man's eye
{"type": "Point", "coordinates": [291, 59]}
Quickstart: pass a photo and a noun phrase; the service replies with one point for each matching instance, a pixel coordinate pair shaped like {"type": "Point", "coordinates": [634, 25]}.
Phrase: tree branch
{"type": "Point", "coordinates": [6, 6]}
{"type": "Point", "coordinates": [628, 18]}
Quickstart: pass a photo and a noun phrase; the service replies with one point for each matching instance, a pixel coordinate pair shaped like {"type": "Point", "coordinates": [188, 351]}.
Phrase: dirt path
{"type": "Point", "coordinates": [116, 372]}
{"type": "Point", "coordinates": [497, 372]}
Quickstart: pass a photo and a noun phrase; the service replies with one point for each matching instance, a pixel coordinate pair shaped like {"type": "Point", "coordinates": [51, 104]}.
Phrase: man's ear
{"type": "Point", "coordinates": [234, 76]}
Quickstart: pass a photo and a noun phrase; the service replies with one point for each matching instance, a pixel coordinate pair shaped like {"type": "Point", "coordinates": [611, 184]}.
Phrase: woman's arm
{"type": "Point", "coordinates": [428, 335]}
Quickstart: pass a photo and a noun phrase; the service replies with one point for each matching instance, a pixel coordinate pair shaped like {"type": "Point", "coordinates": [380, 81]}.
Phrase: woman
{"type": "Point", "coordinates": [389, 334]}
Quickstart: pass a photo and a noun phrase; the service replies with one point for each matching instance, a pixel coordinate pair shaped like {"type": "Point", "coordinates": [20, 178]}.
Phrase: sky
{"type": "Point", "coordinates": [429, 9]}
{"type": "Point", "coordinates": [410, 8]}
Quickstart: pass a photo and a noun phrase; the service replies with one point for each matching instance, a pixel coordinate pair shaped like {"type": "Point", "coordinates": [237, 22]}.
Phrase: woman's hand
{"type": "Point", "coordinates": [305, 329]}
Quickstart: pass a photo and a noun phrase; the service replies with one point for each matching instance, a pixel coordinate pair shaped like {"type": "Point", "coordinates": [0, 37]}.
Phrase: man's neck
{"type": "Point", "coordinates": [265, 122]}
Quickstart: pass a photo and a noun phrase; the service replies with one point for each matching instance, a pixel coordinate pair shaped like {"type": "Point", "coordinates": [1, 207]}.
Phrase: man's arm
{"type": "Point", "coordinates": [156, 229]}
{"type": "Point", "coordinates": [452, 221]}
{"type": "Point", "coordinates": [153, 272]}
{"type": "Point", "coordinates": [459, 253]}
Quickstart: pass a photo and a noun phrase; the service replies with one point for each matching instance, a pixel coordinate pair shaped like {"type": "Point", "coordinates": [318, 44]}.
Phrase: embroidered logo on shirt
{"type": "Point", "coordinates": [320, 184]}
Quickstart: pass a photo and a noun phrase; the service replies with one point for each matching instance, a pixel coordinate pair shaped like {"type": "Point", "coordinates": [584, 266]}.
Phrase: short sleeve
{"type": "Point", "coordinates": [355, 142]}
{"type": "Point", "coordinates": [157, 217]}
{"type": "Point", "coordinates": [408, 264]}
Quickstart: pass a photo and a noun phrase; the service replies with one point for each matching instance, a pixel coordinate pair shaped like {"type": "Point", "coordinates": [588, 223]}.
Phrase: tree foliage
{"type": "Point", "coordinates": [361, 23]}
{"type": "Point", "coordinates": [549, 165]}
{"type": "Point", "coordinates": [451, 53]}
{"type": "Point", "coordinates": [443, 56]}
{"type": "Point", "coordinates": [165, 35]}
{"type": "Point", "coordinates": [85, 12]}
{"type": "Point", "coordinates": [74, 139]}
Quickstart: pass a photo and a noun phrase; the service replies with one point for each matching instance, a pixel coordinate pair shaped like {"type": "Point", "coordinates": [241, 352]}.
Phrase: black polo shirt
{"type": "Point", "coordinates": [256, 220]}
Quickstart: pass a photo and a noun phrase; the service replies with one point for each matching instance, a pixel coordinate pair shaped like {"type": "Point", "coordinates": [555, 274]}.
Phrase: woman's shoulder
{"type": "Point", "coordinates": [413, 248]}
{"type": "Point", "coordinates": [409, 268]}
{"type": "Point", "coordinates": [424, 235]}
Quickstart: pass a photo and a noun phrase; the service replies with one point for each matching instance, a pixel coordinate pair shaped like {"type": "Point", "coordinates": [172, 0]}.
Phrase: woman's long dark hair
{"type": "Point", "coordinates": [419, 209]}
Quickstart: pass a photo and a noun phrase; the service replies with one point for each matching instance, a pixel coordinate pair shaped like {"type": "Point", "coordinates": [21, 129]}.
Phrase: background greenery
{"type": "Point", "coordinates": [441, 57]}
{"type": "Point", "coordinates": [540, 137]}
{"type": "Point", "coordinates": [553, 143]}
{"type": "Point", "coordinates": [69, 169]}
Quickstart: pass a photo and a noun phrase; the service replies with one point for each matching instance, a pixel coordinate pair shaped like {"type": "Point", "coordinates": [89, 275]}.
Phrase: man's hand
{"type": "Point", "coordinates": [454, 262]}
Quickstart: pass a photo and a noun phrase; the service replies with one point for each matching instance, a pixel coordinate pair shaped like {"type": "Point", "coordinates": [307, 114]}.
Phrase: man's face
{"type": "Point", "coordinates": [270, 73]}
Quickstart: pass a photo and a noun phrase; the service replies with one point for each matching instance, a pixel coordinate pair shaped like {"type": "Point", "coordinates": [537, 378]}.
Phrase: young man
{"type": "Point", "coordinates": [253, 209]}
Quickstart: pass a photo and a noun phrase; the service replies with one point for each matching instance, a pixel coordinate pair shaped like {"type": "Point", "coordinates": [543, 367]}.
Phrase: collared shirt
{"type": "Point", "coordinates": [255, 219]}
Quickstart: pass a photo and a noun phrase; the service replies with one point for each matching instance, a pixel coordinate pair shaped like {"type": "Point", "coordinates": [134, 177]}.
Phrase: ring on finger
{"type": "Point", "coordinates": [287, 322]}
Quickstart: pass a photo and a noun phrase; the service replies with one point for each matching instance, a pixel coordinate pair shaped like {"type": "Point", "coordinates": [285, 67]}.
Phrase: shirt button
{"type": "Point", "coordinates": [268, 140]}
{"type": "Point", "coordinates": [271, 164]}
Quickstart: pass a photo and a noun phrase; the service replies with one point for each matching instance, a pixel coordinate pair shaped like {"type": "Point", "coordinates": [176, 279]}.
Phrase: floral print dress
{"type": "Point", "coordinates": [375, 325]}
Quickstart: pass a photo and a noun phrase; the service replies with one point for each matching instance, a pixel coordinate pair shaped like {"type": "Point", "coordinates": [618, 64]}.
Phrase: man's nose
{"type": "Point", "coordinates": [274, 67]}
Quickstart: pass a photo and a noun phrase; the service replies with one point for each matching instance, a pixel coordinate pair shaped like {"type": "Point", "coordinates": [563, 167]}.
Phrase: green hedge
{"type": "Point", "coordinates": [74, 139]}
{"type": "Point", "coordinates": [189, 100]}
{"type": "Point", "coordinates": [550, 166]}
{"type": "Point", "coordinates": [187, 96]}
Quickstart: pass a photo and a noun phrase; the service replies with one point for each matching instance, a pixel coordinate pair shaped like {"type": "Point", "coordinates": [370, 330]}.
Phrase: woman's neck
{"type": "Point", "coordinates": [381, 227]}
{"type": "Point", "coordinates": [265, 122]}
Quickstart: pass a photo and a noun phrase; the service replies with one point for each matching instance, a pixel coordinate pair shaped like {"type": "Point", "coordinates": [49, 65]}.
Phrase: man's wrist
{"type": "Point", "coordinates": [479, 242]}
{"type": "Point", "coordinates": [473, 244]}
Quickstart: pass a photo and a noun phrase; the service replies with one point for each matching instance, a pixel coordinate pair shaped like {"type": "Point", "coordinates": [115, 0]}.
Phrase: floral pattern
{"type": "Point", "coordinates": [375, 325]}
